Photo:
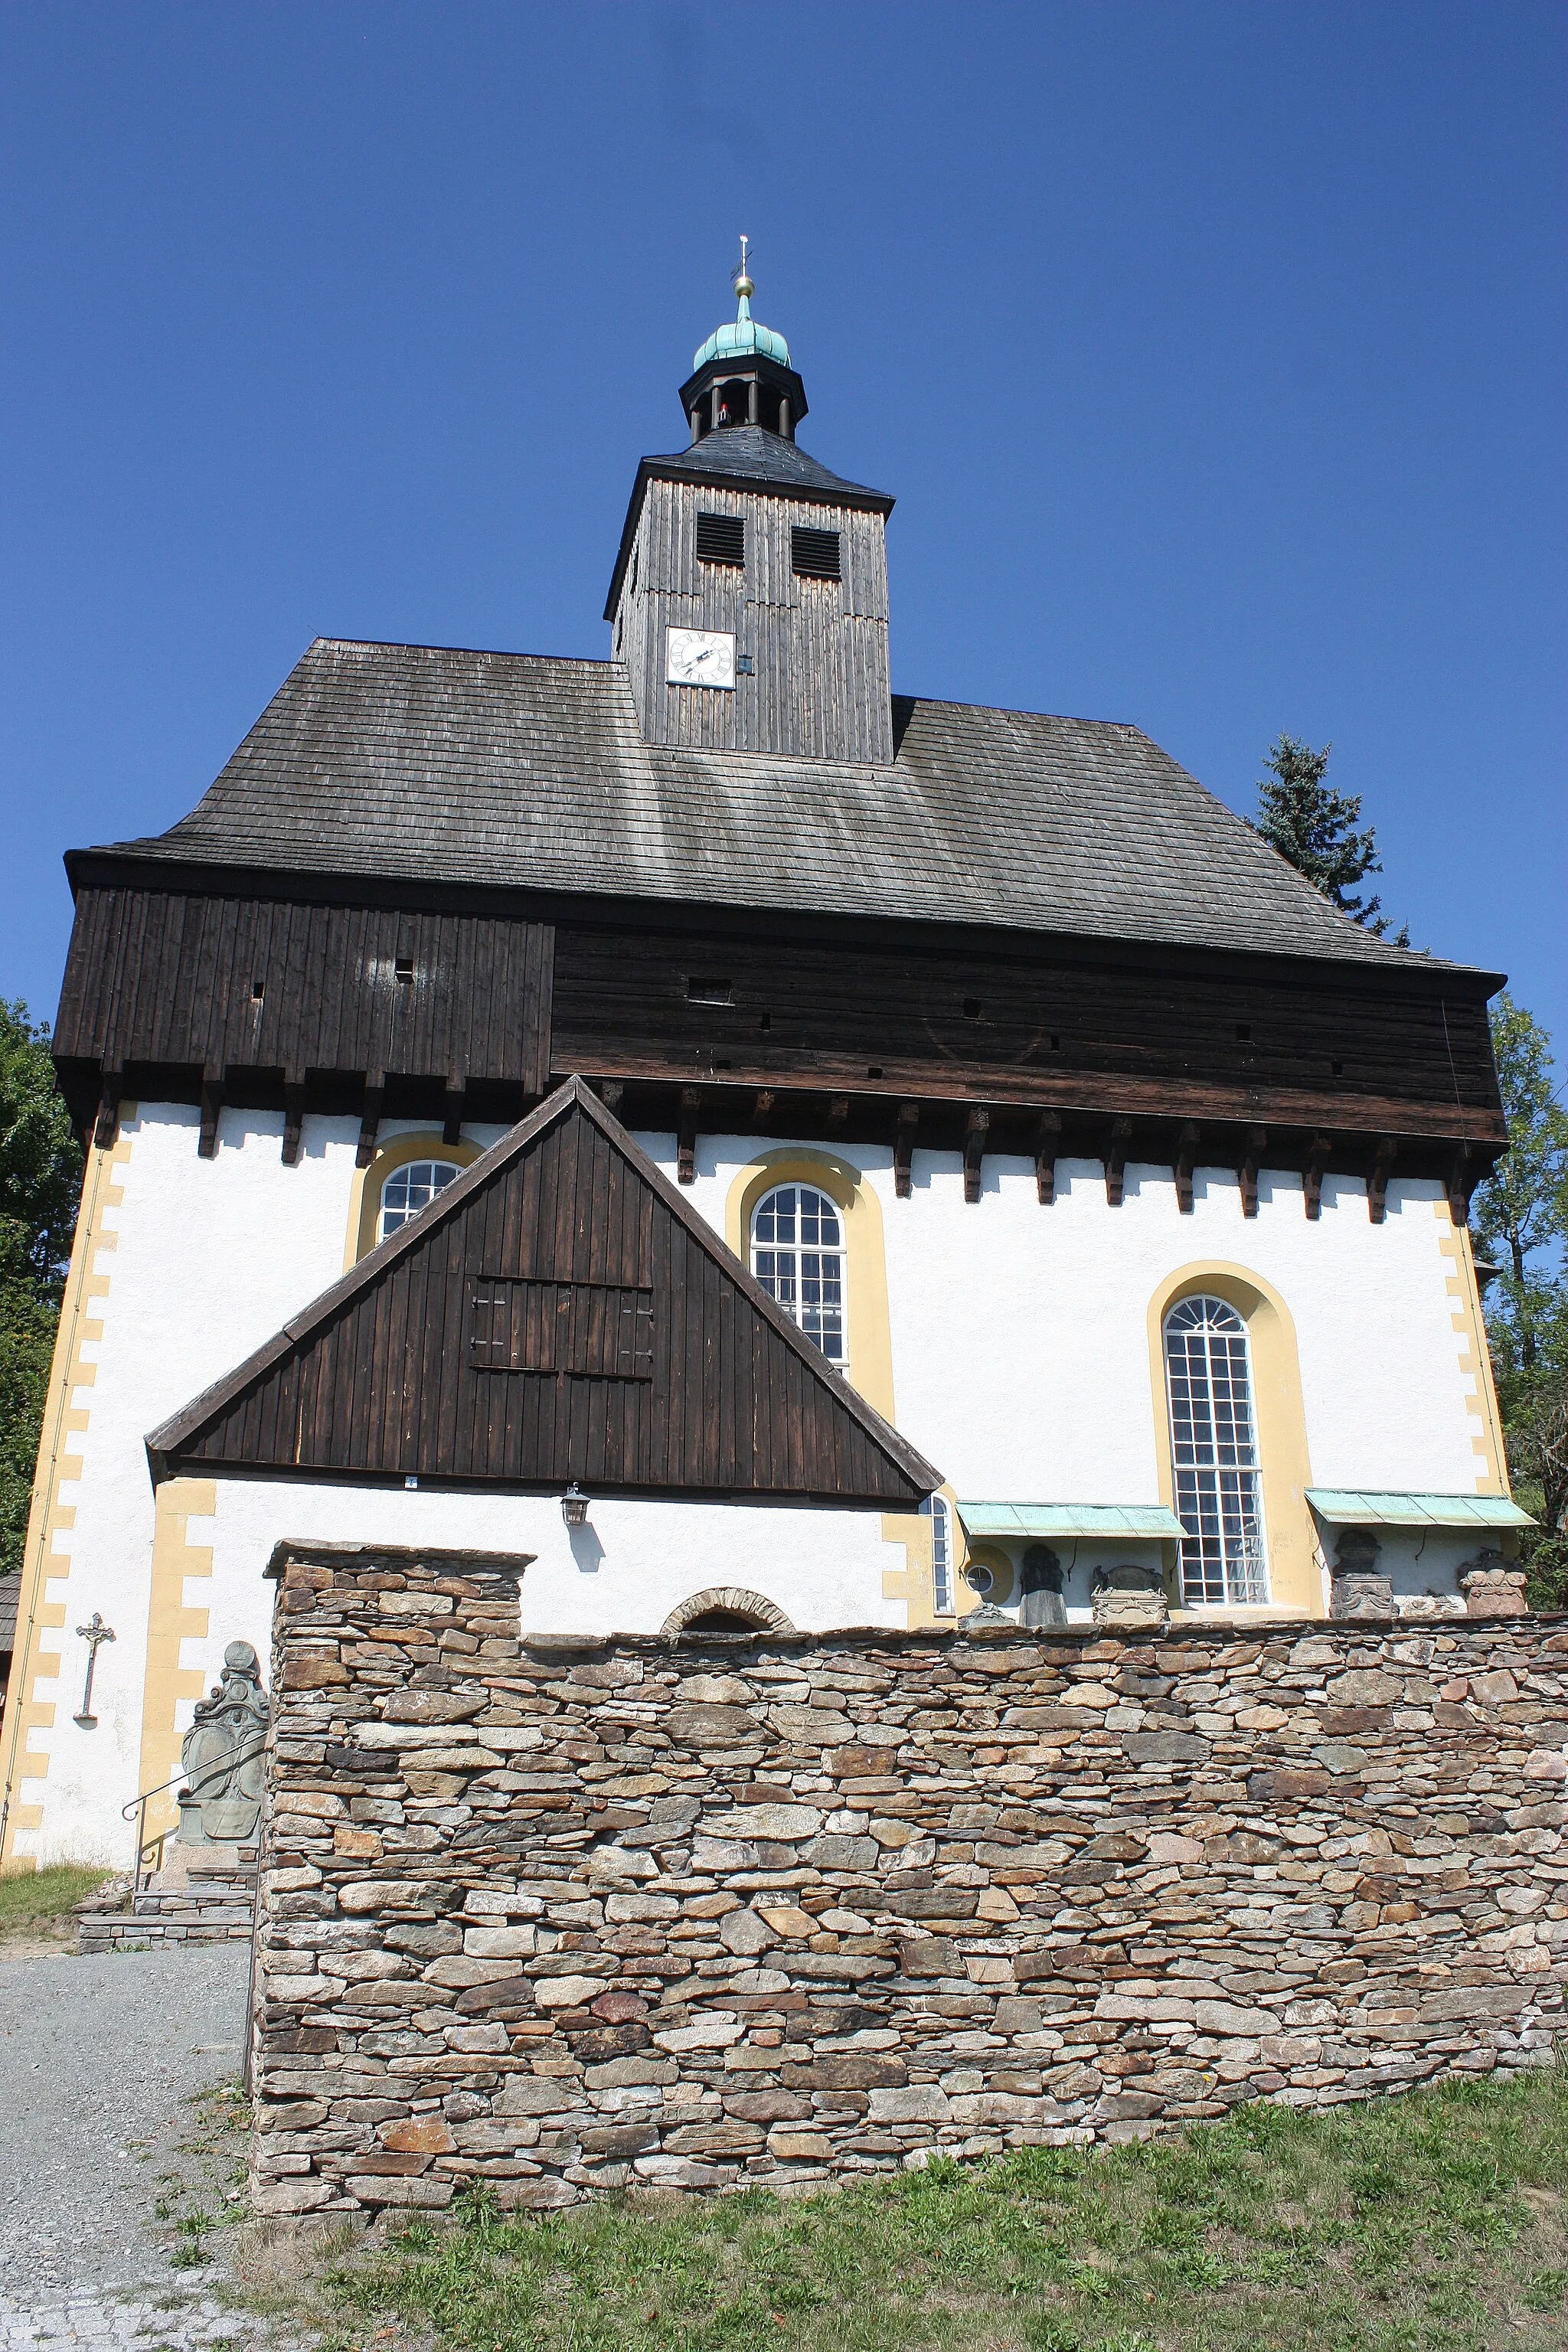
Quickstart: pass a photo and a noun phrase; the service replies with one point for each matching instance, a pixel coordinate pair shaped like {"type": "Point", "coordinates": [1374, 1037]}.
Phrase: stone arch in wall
{"type": "Point", "coordinates": [726, 1609]}
{"type": "Point", "coordinates": [1295, 1578]}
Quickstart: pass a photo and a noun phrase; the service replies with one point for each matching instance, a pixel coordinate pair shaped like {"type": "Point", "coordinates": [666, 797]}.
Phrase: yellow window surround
{"type": "Point", "coordinates": [1295, 1577]}
{"type": "Point", "coordinates": [364, 1198]}
{"type": "Point", "coordinates": [870, 1366]}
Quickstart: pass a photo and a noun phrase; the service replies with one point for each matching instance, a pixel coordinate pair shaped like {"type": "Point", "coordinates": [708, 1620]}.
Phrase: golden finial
{"type": "Point", "coordinates": [741, 278]}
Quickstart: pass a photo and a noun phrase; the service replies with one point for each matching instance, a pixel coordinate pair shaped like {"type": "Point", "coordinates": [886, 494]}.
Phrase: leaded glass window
{"type": "Point", "coordinates": [1213, 1446]}
{"type": "Point", "coordinates": [797, 1255]}
{"type": "Point", "coordinates": [411, 1188]}
{"type": "Point", "coordinates": [935, 1509]}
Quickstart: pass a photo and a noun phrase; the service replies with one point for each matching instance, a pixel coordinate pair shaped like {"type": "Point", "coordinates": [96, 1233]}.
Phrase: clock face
{"type": "Point", "coordinates": [700, 657]}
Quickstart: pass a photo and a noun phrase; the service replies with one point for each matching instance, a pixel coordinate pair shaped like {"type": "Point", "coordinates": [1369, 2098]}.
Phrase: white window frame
{"type": "Point", "coordinates": [936, 1509]}
{"type": "Point", "coordinates": [1215, 1460]}
{"type": "Point", "coordinates": [797, 1250]}
{"type": "Point", "coordinates": [408, 1173]}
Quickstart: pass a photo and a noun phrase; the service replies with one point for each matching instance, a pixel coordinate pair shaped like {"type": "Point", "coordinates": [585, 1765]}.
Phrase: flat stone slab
{"type": "Point", "coordinates": [176, 2319]}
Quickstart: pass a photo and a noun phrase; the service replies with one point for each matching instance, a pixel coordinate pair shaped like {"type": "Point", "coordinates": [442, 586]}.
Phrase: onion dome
{"type": "Point", "coordinates": [743, 338]}
{"type": "Point", "coordinates": [741, 375]}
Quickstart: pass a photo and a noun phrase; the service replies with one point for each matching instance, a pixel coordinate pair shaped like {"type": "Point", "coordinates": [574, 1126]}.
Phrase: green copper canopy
{"type": "Point", "coordinates": [745, 339]}
{"type": "Point", "coordinates": [1357, 1508]}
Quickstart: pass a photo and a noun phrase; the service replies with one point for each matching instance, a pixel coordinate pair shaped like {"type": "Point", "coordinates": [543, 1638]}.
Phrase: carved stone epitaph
{"type": "Point", "coordinates": [220, 1803]}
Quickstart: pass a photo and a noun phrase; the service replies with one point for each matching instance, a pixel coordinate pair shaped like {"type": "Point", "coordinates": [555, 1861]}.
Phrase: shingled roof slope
{"type": "Point", "coordinates": [521, 771]}
{"type": "Point", "coordinates": [749, 453]}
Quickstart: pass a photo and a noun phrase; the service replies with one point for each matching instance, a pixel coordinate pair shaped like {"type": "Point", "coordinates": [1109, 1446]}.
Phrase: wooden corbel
{"type": "Point", "coordinates": [904, 1149]}
{"type": "Point", "coordinates": [1461, 1182]}
{"type": "Point", "coordinates": [974, 1136]}
{"type": "Point", "coordinates": [1048, 1138]}
{"type": "Point", "coordinates": [762, 1105]}
{"type": "Point", "coordinates": [1186, 1152]}
{"type": "Point", "coordinates": [1312, 1175]}
{"type": "Point", "coordinates": [1116, 1159]}
{"type": "Point", "coordinates": [1377, 1183]}
{"type": "Point", "coordinates": [293, 1120]}
{"type": "Point", "coordinates": [370, 1117]}
{"type": "Point", "coordinates": [453, 1105]}
{"type": "Point", "coordinates": [1247, 1174]}
{"type": "Point", "coordinates": [612, 1094]}
{"type": "Point", "coordinates": [211, 1104]}
{"type": "Point", "coordinates": [686, 1135]}
{"type": "Point", "coordinates": [838, 1110]}
{"type": "Point", "coordinates": [108, 1119]}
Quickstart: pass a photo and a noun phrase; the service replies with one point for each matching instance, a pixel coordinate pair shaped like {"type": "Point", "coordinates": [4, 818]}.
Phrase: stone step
{"type": "Point", "coordinates": [123, 1932]}
{"type": "Point", "coordinates": [198, 1915]}
{"type": "Point", "coordinates": [201, 1909]}
{"type": "Point", "coordinates": [195, 1899]}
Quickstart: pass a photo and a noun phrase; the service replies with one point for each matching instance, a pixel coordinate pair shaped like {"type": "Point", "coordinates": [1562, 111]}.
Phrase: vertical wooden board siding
{"type": "Point", "coordinates": [164, 977]}
{"type": "Point", "coordinates": [388, 1385]}
{"type": "Point", "coordinates": [836, 1008]}
{"type": "Point", "coordinates": [819, 688]}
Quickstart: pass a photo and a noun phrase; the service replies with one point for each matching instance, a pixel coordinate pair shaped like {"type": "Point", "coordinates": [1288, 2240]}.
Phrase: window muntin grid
{"type": "Point", "coordinates": [411, 1188]}
{"type": "Point", "coordinates": [935, 1509]}
{"type": "Point", "coordinates": [797, 1255]}
{"type": "Point", "coordinates": [1214, 1450]}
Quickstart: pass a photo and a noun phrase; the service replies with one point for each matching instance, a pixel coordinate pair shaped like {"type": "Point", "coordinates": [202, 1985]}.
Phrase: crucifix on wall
{"type": "Point", "coordinates": [93, 1632]}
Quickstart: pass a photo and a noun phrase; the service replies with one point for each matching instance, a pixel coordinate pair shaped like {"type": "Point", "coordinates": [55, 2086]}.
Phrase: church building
{"type": "Point", "coordinates": [765, 1151]}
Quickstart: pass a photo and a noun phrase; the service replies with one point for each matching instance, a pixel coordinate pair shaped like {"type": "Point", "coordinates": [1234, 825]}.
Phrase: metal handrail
{"type": "Point", "coordinates": [243, 1749]}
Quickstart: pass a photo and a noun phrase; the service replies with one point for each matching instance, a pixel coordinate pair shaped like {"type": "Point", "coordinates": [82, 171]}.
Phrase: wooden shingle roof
{"type": "Point", "coordinates": [508, 770]}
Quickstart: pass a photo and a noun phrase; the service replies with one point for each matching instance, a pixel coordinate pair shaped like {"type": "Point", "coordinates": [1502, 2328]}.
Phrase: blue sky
{"type": "Point", "coordinates": [1214, 355]}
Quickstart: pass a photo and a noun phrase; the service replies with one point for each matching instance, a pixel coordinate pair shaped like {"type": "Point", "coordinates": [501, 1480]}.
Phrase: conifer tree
{"type": "Point", "coordinates": [1315, 828]}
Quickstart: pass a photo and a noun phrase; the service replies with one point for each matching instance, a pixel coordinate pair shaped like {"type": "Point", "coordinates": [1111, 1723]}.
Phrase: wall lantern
{"type": "Point", "coordinates": [573, 1506]}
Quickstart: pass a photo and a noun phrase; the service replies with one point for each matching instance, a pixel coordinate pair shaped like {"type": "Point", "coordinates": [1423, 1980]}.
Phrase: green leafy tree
{"type": "Point", "coordinates": [1520, 1223]}
{"type": "Point", "coordinates": [40, 1180]}
{"type": "Point", "coordinates": [1519, 1211]}
{"type": "Point", "coordinates": [1315, 828]}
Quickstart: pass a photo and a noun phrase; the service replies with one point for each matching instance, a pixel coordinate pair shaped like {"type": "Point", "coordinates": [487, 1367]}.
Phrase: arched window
{"type": "Point", "coordinates": [1214, 1447]}
{"type": "Point", "coordinates": [934, 1508]}
{"type": "Point", "coordinates": [797, 1255]}
{"type": "Point", "coordinates": [411, 1188]}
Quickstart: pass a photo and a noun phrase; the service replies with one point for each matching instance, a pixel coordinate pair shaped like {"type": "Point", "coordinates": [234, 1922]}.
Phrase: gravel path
{"type": "Point", "coordinates": [100, 2057]}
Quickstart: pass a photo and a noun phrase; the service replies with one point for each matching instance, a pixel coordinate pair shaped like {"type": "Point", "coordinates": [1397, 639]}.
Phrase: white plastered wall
{"type": "Point", "coordinates": [624, 1570]}
{"type": "Point", "coordinates": [1020, 1364]}
{"type": "Point", "coordinates": [210, 1257]}
{"type": "Point", "coordinates": [1020, 1343]}
{"type": "Point", "coordinates": [1020, 1337]}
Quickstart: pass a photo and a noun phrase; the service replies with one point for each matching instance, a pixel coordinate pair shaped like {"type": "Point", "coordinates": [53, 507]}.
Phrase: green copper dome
{"type": "Point", "coordinates": [745, 339]}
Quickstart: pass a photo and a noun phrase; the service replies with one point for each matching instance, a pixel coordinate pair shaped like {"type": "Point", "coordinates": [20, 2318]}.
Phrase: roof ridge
{"type": "Point", "coordinates": [1012, 710]}
{"type": "Point", "coordinates": [485, 653]}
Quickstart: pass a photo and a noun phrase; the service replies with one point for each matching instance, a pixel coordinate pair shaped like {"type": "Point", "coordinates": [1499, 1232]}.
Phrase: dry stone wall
{"type": "Point", "coordinates": [552, 1916]}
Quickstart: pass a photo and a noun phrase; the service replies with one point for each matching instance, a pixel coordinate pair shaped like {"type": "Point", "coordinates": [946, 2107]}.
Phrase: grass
{"type": "Point", "coordinates": [1434, 2222]}
{"type": "Point", "coordinates": [32, 1902]}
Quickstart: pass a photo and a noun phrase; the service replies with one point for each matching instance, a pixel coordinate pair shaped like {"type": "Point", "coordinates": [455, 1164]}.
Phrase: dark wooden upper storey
{"type": "Point", "coordinates": [427, 884]}
{"type": "Point", "coordinates": [559, 1313]}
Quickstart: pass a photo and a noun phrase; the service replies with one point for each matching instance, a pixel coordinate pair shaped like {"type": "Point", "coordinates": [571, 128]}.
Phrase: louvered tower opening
{"type": "Point", "coordinates": [721, 539]}
{"type": "Point", "coordinates": [814, 554]}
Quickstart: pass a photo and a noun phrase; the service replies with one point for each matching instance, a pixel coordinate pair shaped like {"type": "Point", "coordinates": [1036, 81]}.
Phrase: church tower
{"type": "Point", "coordinates": [750, 597]}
